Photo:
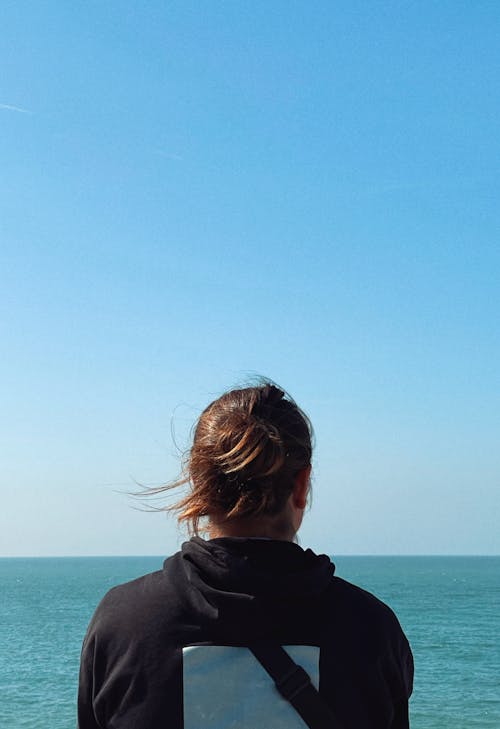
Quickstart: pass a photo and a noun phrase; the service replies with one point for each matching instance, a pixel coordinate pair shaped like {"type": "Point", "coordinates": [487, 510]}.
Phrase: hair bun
{"type": "Point", "coordinates": [271, 394]}
{"type": "Point", "coordinates": [254, 450]}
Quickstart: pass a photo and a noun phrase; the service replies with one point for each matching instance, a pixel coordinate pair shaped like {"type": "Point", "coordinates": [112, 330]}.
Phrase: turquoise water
{"type": "Point", "coordinates": [448, 606]}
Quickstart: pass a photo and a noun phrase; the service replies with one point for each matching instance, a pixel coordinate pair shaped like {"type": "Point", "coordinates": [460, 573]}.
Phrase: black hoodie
{"type": "Point", "coordinates": [232, 591]}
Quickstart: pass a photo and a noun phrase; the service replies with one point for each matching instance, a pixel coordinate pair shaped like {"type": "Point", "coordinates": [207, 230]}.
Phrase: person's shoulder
{"type": "Point", "coordinates": [124, 600]}
{"type": "Point", "coordinates": [127, 593]}
{"type": "Point", "coordinates": [361, 605]}
{"type": "Point", "coordinates": [369, 628]}
{"type": "Point", "coordinates": [356, 594]}
{"type": "Point", "coordinates": [132, 606]}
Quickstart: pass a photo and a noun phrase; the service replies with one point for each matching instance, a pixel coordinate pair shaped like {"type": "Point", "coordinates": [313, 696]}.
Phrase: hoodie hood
{"type": "Point", "coordinates": [228, 581]}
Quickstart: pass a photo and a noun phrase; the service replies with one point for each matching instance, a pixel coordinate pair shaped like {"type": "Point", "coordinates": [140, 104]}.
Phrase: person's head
{"type": "Point", "coordinates": [249, 465]}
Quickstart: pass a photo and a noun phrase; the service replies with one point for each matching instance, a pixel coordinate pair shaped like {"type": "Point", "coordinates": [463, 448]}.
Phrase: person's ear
{"type": "Point", "coordinates": [301, 488]}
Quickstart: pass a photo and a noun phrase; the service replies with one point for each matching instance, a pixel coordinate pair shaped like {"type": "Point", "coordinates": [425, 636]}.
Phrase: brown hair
{"type": "Point", "coordinates": [248, 446]}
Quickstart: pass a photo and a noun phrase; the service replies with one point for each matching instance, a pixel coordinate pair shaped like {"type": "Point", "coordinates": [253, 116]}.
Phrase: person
{"type": "Point", "coordinates": [248, 476]}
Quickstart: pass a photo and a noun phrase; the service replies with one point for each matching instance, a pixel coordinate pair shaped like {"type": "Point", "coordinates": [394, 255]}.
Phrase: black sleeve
{"type": "Point", "coordinates": [86, 716]}
{"type": "Point", "coordinates": [401, 719]}
{"type": "Point", "coordinates": [409, 669]}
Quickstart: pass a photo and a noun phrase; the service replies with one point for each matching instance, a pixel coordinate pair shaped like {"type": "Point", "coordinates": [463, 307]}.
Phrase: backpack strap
{"type": "Point", "coordinates": [294, 684]}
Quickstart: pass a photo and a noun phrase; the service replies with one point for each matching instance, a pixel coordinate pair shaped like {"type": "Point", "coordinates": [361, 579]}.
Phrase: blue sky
{"type": "Point", "coordinates": [196, 192]}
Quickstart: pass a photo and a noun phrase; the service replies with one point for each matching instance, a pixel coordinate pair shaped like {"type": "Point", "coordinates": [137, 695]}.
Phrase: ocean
{"type": "Point", "coordinates": [449, 608]}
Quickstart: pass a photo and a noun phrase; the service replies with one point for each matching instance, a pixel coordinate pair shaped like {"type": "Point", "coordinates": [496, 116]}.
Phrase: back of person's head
{"type": "Point", "coordinates": [248, 446]}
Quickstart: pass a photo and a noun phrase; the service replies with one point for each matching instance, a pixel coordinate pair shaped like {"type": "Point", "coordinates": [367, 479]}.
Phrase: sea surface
{"type": "Point", "coordinates": [449, 608]}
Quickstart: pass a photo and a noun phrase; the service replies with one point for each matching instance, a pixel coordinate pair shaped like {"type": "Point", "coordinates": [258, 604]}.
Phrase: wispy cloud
{"type": "Point", "coordinates": [168, 155]}
{"type": "Point", "coordinates": [10, 107]}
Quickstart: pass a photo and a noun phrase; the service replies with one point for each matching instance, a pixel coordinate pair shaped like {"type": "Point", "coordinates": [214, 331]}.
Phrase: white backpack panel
{"type": "Point", "coordinates": [227, 688]}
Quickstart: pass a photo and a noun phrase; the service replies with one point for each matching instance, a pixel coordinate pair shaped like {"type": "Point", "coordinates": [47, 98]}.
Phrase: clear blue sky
{"type": "Point", "coordinates": [192, 192]}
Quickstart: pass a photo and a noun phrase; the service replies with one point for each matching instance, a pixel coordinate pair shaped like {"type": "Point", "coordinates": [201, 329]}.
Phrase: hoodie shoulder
{"type": "Point", "coordinates": [360, 607]}
{"type": "Point", "coordinates": [133, 607]}
{"type": "Point", "coordinates": [372, 629]}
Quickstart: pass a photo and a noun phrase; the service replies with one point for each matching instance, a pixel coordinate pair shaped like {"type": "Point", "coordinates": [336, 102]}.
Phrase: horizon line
{"type": "Point", "coordinates": [165, 556]}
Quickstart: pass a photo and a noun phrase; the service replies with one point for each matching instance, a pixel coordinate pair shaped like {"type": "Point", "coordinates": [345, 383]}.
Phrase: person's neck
{"type": "Point", "coordinates": [252, 528]}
